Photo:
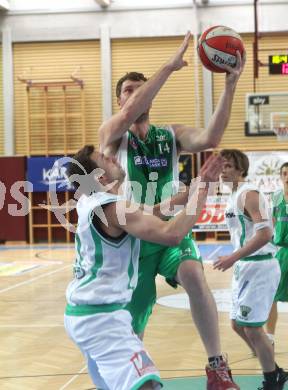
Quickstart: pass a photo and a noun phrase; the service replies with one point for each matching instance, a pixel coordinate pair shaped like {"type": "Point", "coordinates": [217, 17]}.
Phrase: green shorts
{"type": "Point", "coordinates": [282, 292]}
{"type": "Point", "coordinates": [164, 262]}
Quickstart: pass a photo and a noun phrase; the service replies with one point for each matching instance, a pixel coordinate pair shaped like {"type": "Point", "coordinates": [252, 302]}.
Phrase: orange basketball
{"type": "Point", "coordinates": [217, 46]}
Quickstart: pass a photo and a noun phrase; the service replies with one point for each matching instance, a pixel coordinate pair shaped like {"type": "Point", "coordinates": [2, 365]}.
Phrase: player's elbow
{"type": "Point", "coordinates": [266, 235]}
{"type": "Point", "coordinates": [212, 143]}
{"type": "Point", "coordinates": [127, 114]}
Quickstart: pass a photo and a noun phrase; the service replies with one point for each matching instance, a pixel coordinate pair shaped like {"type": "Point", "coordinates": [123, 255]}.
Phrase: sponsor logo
{"type": "Point", "coordinates": [161, 138]}
{"type": "Point", "coordinates": [56, 175]}
{"type": "Point", "coordinates": [230, 215]}
{"type": "Point", "coordinates": [142, 363]}
{"type": "Point", "coordinates": [186, 252]}
{"type": "Point", "coordinates": [245, 310]}
{"type": "Point", "coordinates": [219, 60]}
{"type": "Point", "coordinates": [137, 160]}
{"type": "Point", "coordinates": [150, 162]}
{"type": "Point", "coordinates": [79, 272]}
{"type": "Point", "coordinates": [258, 100]}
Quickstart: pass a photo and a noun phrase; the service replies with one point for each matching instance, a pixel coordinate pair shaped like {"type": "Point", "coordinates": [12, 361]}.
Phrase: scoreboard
{"type": "Point", "coordinates": [278, 64]}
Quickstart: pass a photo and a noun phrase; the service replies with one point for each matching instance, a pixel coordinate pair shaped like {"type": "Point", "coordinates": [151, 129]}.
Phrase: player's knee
{"type": "Point", "coordinates": [191, 273]}
{"type": "Point", "coordinates": [253, 333]}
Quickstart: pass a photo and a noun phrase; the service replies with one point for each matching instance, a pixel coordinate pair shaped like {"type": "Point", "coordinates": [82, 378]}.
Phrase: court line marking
{"type": "Point", "coordinates": [213, 253]}
{"type": "Point", "coordinates": [31, 326]}
{"type": "Point", "coordinates": [35, 247]}
{"type": "Point", "coordinates": [73, 378]}
{"type": "Point", "coordinates": [33, 279]}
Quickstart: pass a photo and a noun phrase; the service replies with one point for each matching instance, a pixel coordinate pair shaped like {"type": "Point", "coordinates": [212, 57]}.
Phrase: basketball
{"type": "Point", "coordinates": [217, 46]}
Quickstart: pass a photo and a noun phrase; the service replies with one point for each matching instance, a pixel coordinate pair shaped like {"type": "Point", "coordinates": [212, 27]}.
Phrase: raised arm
{"type": "Point", "coordinates": [113, 129]}
{"type": "Point", "coordinates": [192, 140]}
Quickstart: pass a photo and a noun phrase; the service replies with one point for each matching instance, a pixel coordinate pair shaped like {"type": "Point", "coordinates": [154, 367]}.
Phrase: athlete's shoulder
{"type": "Point", "coordinates": [246, 187]}
{"type": "Point", "coordinates": [96, 199]}
{"type": "Point", "coordinates": [162, 132]}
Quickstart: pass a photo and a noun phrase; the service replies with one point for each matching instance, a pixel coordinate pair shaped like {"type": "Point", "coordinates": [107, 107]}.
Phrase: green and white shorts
{"type": "Point", "coordinates": [116, 357]}
{"type": "Point", "coordinates": [254, 285]}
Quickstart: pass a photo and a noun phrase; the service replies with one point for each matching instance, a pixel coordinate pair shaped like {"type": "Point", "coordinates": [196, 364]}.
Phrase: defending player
{"type": "Point", "coordinates": [106, 268]}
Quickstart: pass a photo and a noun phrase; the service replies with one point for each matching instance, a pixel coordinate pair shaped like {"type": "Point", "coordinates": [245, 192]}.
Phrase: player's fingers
{"type": "Point", "coordinates": [185, 42]}
{"type": "Point", "coordinates": [227, 68]}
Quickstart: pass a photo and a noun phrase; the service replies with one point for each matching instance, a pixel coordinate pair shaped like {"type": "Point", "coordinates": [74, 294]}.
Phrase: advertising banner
{"type": "Point", "coordinates": [45, 173]}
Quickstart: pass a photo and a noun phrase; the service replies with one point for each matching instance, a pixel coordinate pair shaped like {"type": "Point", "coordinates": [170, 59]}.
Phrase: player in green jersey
{"type": "Point", "coordinates": [149, 155]}
{"type": "Point", "coordinates": [280, 217]}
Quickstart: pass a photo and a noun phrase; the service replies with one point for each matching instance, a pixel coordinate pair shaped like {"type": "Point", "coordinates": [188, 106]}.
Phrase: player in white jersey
{"type": "Point", "coordinates": [106, 268]}
{"type": "Point", "coordinates": [256, 270]}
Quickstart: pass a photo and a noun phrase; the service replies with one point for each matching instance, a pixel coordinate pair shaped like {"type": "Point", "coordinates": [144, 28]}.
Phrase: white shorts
{"type": "Point", "coordinates": [254, 286]}
{"type": "Point", "coordinates": [115, 356]}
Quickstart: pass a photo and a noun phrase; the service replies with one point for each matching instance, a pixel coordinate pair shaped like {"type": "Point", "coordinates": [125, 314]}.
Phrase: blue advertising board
{"type": "Point", "coordinates": [48, 174]}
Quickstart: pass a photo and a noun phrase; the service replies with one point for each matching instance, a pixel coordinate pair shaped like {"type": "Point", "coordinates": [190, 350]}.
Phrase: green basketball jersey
{"type": "Point", "coordinates": [152, 168]}
{"type": "Point", "coordinates": [280, 215]}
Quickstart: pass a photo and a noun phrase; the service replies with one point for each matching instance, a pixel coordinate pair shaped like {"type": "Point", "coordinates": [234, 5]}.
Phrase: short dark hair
{"type": "Point", "coordinates": [133, 76]}
{"type": "Point", "coordinates": [284, 165]}
{"type": "Point", "coordinates": [239, 158]}
{"type": "Point", "coordinates": [86, 164]}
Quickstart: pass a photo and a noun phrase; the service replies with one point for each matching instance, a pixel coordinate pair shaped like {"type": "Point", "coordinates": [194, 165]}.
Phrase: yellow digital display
{"type": "Point", "coordinates": [278, 64]}
{"type": "Point", "coordinates": [279, 59]}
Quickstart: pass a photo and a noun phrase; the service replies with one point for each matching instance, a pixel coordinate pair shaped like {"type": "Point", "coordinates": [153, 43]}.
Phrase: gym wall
{"type": "Point", "coordinates": [57, 60]}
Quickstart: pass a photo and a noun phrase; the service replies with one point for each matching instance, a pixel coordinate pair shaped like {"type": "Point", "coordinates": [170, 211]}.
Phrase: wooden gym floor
{"type": "Point", "coordinates": [36, 354]}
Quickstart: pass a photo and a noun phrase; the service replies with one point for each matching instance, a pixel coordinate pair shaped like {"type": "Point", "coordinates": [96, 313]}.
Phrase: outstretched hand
{"type": "Point", "coordinates": [177, 62]}
{"type": "Point", "coordinates": [211, 169]}
{"type": "Point", "coordinates": [233, 74]}
{"type": "Point", "coordinates": [223, 263]}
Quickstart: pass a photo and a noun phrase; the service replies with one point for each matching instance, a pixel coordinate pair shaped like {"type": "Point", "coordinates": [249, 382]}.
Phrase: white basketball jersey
{"type": "Point", "coordinates": [240, 226]}
{"type": "Point", "coordinates": [105, 270]}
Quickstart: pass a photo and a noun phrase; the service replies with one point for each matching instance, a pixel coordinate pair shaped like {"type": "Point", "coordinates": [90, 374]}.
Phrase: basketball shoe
{"type": "Point", "coordinates": [269, 386]}
{"type": "Point", "coordinates": [282, 378]}
{"type": "Point", "coordinates": [220, 378]}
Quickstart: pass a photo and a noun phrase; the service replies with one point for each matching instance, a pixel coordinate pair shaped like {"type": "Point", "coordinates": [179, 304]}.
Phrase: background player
{"type": "Point", "coordinates": [256, 272]}
{"type": "Point", "coordinates": [280, 219]}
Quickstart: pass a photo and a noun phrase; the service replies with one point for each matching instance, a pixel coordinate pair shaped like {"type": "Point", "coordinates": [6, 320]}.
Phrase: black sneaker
{"type": "Point", "coordinates": [269, 386]}
{"type": "Point", "coordinates": [282, 378]}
